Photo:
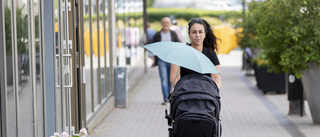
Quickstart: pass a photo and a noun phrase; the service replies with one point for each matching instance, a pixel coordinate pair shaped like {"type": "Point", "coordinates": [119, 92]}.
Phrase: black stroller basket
{"type": "Point", "coordinates": [194, 108]}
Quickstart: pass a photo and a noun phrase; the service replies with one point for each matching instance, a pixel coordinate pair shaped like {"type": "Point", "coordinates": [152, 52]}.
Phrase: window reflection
{"type": "Point", "coordinates": [102, 49]}
{"type": "Point", "coordinates": [95, 47]}
{"type": "Point", "coordinates": [87, 56]}
{"type": "Point", "coordinates": [10, 92]}
{"type": "Point", "coordinates": [24, 77]}
{"type": "Point", "coordinates": [58, 97]}
{"type": "Point", "coordinates": [24, 91]}
{"type": "Point", "coordinates": [129, 29]}
{"type": "Point", "coordinates": [39, 78]}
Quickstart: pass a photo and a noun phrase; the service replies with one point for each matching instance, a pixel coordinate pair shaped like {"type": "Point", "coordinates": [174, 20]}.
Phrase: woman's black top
{"type": "Point", "coordinates": [212, 55]}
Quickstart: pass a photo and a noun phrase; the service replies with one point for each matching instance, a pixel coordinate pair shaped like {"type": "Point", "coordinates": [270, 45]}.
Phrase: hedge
{"type": "Point", "coordinates": [155, 14]}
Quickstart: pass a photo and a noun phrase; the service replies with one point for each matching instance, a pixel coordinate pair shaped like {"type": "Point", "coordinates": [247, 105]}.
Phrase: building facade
{"type": "Point", "coordinates": [58, 59]}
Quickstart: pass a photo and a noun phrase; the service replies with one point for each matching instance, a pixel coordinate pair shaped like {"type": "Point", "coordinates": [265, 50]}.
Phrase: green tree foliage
{"type": "Point", "coordinates": [22, 31]}
{"type": "Point", "coordinates": [289, 32]}
{"type": "Point", "coordinates": [247, 38]}
{"type": "Point", "coordinates": [7, 23]}
{"type": "Point", "coordinates": [150, 3]}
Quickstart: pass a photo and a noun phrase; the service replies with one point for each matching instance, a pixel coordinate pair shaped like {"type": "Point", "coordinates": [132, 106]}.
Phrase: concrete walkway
{"type": "Point", "coordinates": [246, 112]}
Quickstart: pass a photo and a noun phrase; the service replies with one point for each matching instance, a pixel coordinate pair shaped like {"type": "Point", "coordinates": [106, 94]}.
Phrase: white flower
{"type": "Point", "coordinates": [56, 134]}
{"type": "Point", "coordinates": [83, 132]}
{"type": "Point", "coordinates": [64, 134]}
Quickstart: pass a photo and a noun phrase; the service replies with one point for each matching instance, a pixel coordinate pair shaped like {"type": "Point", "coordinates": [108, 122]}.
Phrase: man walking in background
{"type": "Point", "coordinates": [165, 34]}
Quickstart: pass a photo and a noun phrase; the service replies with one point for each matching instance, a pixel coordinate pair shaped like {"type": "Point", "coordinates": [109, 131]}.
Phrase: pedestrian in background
{"type": "Point", "coordinates": [165, 34]}
{"type": "Point", "coordinates": [150, 34]}
{"type": "Point", "coordinates": [202, 39]}
{"type": "Point", "coordinates": [176, 29]}
{"type": "Point", "coordinates": [129, 41]}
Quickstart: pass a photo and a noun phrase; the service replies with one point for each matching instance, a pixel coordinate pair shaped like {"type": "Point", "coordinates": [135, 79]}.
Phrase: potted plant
{"type": "Point", "coordinates": [289, 33]}
{"type": "Point", "coordinates": [267, 81]}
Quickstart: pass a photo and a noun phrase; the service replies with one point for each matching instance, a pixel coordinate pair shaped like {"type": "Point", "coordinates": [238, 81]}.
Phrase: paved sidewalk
{"type": "Point", "coordinates": [246, 112]}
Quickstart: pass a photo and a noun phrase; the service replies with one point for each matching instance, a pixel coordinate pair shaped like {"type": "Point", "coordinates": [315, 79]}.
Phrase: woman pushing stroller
{"type": "Point", "coordinates": [202, 39]}
{"type": "Point", "coordinates": [195, 100]}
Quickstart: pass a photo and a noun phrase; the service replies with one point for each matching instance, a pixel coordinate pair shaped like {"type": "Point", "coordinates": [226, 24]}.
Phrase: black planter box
{"type": "Point", "coordinates": [269, 81]}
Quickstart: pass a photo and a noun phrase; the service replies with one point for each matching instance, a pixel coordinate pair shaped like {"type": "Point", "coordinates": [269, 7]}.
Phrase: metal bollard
{"type": "Point", "coordinates": [120, 81]}
{"type": "Point", "coordinates": [295, 95]}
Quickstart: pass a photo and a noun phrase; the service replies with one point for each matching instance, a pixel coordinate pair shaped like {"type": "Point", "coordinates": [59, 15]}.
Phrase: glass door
{"type": "Point", "coordinates": [64, 67]}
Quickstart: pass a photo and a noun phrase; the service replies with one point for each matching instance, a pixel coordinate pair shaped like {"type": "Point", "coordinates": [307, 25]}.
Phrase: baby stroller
{"type": "Point", "coordinates": [194, 108]}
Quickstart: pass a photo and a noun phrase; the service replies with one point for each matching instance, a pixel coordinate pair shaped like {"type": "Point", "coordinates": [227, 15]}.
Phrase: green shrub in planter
{"type": "Point", "coordinates": [289, 32]}
{"type": "Point", "coordinates": [260, 61]}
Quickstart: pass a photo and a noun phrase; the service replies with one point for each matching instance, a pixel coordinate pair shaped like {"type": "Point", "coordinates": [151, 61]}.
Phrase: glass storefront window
{"type": "Point", "coordinates": [24, 77]}
{"type": "Point", "coordinates": [24, 64]}
{"type": "Point", "coordinates": [58, 95]}
{"type": "Point", "coordinates": [39, 76]}
{"type": "Point", "coordinates": [123, 55]}
{"type": "Point", "coordinates": [22, 28]}
{"type": "Point", "coordinates": [95, 47]}
{"type": "Point", "coordinates": [88, 53]}
{"type": "Point", "coordinates": [107, 57]}
{"type": "Point", "coordinates": [102, 49]}
{"type": "Point", "coordinates": [11, 114]}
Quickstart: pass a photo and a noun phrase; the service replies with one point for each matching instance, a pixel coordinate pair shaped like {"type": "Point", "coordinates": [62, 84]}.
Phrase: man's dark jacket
{"type": "Point", "coordinates": [157, 37]}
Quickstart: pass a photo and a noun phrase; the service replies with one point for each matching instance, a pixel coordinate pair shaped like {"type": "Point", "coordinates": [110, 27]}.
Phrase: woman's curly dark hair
{"type": "Point", "coordinates": [210, 41]}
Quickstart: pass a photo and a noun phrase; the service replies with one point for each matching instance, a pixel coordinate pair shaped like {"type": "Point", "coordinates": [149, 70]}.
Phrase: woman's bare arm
{"type": "Point", "coordinates": [217, 77]}
{"type": "Point", "coordinates": [174, 74]}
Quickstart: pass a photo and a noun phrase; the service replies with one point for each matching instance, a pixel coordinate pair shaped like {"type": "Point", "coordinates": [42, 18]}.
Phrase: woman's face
{"type": "Point", "coordinates": [197, 34]}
